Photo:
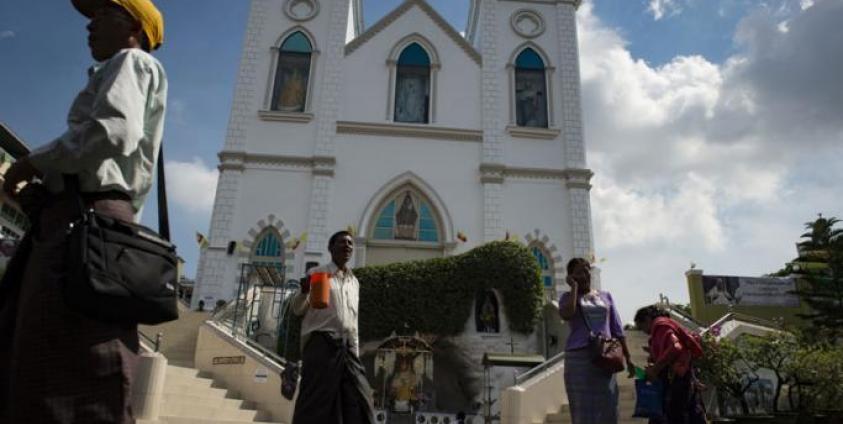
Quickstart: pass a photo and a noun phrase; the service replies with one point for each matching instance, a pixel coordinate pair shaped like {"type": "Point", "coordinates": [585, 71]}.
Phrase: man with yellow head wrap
{"type": "Point", "coordinates": [57, 366]}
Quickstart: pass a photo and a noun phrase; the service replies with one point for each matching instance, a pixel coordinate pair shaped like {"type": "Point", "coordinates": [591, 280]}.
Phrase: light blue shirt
{"type": "Point", "coordinates": [115, 126]}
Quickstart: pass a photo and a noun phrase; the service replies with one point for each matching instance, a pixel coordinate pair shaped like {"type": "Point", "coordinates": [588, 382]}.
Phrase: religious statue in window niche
{"type": "Point", "coordinates": [293, 92]}
{"type": "Point", "coordinates": [406, 219]}
{"type": "Point", "coordinates": [410, 103]}
{"type": "Point", "coordinates": [486, 313]}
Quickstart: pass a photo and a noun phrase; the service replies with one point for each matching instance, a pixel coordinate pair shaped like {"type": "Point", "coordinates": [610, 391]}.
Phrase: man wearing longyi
{"type": "Point", "coordinates": [333, 385]}
{"type": "Point", "coordinates": [56, 365]}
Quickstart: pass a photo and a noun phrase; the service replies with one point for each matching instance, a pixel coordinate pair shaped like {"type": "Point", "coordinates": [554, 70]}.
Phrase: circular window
{"type": "Point", "coordinates": [301, 10]}
{"type": "Point", "coordinates": [527, 23]}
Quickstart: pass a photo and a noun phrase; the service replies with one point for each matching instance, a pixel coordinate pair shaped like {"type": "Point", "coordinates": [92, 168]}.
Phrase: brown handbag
{"type": "Point", "coordinates": [606, 352]}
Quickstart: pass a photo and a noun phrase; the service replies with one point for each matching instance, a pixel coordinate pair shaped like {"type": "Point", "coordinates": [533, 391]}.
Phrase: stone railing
{"type": "Point", "coordinates": [536, 393]}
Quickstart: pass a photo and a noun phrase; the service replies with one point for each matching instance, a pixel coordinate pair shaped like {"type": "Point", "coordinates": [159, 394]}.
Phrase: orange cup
{"type": "Point", "coordinates": [320, 290]}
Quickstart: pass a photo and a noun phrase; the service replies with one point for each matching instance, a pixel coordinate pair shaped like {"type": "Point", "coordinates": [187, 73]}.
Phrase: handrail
{"type": "Point", "coordinates": [521, 378]}
{"type": "Point", "coordinates": [743, 317]}
{"type": "Point", "coordinates": [156, 343]}
{"type": "Point", "coordinates": [239, 336]}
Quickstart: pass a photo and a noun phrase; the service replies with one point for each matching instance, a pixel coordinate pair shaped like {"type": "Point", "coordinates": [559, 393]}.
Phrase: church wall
{"type": "Point", "coordinates": [476, 344]}
{"type": "Point", "coordinates": [542, 205]}
{"type": "Point", "coordinates": [449, 167]}
{"type": "Point", "coordinates": [273, 192]}
{"type": "Point", "coordinates": [366, 75]}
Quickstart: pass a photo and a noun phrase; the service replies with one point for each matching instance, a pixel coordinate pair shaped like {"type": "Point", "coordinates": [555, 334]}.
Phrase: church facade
{"type": "Point", "coordinates": [425, 140]}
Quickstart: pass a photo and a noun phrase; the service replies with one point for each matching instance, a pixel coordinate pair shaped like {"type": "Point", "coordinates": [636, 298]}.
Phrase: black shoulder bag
{"type": "Point", "coordinates": [121, 272]}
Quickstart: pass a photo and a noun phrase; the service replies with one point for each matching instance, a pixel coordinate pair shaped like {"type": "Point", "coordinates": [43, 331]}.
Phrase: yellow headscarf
{"type": "Point", "coordinates": [144, 11]}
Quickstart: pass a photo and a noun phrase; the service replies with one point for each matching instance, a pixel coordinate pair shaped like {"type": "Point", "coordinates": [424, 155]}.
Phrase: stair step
{"type": "Point", "coordinates": [189, 389]}
{"type": "Point", "coordinates": [209, 412]}
{"type": "Point", "coordinates": [168, 419]}
{"type": "Point", "coordinates": [193, 381]}
{"type": "Point", "coordinates": [187, 372]}
{"type": "Point", "coordinates": [171, 402]}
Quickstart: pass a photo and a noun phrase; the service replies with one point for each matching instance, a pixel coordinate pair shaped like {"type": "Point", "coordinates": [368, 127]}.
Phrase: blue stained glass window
{"type": "Point", "coordinates": [529, 59]}
{"type": "Point", "coordinates": [385, 223]}
{"type": "Point", "coordinates": [428, 230]}
{"type": "Point", "coordinates": [296, 42]}
{"type": "Point", "coordinates": [269, 246]}
{"type": "Point", "coordinates": [414, 55]}
{"type": "Point", "coordinates": [544, 265]}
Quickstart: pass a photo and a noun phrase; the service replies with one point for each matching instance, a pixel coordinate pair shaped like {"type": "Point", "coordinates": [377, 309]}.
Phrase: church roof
{"type": "Point", "coordinates": [400, 11]}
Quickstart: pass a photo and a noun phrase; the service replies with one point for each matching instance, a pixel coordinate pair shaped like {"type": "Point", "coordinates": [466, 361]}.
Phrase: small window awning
{"type": "Point", "coordinates": [512, 360]}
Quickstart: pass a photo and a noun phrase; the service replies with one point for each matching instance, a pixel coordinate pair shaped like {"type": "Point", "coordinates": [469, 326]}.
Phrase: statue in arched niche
{"type": "Point", "coordinates": [406, 219]}
{"type": "Point", "coordinates": [486, 313]}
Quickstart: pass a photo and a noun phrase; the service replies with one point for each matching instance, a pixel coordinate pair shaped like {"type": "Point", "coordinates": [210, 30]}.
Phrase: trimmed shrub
{"type": "Point", "coordinates": [435, 296]}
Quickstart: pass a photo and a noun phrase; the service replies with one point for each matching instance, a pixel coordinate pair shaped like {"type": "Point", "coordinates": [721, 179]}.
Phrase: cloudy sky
{"type": "Point", "coordinates": [714, 127]}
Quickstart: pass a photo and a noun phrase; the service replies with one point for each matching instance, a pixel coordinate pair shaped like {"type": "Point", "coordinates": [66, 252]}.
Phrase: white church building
{"type": "Point", "coordinates": [427, 140]}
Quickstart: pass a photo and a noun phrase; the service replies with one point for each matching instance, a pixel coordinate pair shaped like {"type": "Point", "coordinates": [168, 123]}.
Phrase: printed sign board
{"type": "Point", "coordinates": [229, 360]}
{"type": "Point", "coordinates": [750, 291]}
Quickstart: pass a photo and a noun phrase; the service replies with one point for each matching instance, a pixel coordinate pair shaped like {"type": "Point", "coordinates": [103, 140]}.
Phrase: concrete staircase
{"type": "Point", "coordinates": [626, 402]}
{"type": "Point", "coordinates": [190, 398]}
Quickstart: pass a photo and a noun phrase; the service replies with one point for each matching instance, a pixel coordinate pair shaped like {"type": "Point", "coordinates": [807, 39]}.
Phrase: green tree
{"type": "Point", "coordinates": [816, 378]}
{"type": "Point", "coordinates": [775, 352]}
{"type": "Point", "coordinates": [726, 367]}
{"type": "Point", "coordinates": [821, 264]}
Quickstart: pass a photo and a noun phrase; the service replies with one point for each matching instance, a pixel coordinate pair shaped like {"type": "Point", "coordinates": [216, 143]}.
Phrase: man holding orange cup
{"type": "Point", "coordinates": [333, 387]}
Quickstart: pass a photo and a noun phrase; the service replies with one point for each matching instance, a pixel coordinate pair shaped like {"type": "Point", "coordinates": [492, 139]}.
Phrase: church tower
{"type": "Point", "coordinates": [296, 45]}
{"type": "Point", "coordinates": [531, 91]}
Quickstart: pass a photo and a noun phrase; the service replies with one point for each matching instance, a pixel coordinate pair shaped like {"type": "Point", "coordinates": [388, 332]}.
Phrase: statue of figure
{"type": "Point", "coordinates": [404, 385]}
{"type": "Point", "coordinates": [487, 315]}
{"type": "Point", "coordinates": [405, 219]}
{"type": "Point", "coordinates": [292, 96]}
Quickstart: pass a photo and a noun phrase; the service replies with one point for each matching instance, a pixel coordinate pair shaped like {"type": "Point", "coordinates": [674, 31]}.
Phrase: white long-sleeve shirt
{"type": "Point", "coordinates": [115, 126]}
{"type": "Point", "coordinates": [340, 317]}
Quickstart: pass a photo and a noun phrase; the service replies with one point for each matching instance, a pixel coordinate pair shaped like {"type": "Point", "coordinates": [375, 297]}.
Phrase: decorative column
{"type": "Point", "coordinates": [492, 126]}
{"type": "Point", "coordinates": [216, 273]}
{"type": "Point", "coordinates": [578, 175]}
{"type": "Point", "coordinates": [326, 132]}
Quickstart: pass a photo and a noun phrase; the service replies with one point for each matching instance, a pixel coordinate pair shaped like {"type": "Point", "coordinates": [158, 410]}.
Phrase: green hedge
{"type": "Point", "coordinates": [435, 296]}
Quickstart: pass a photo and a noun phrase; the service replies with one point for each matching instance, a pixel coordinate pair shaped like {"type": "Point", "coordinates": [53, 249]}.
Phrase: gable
{"type": "Point", "coordinates": [400, 11]}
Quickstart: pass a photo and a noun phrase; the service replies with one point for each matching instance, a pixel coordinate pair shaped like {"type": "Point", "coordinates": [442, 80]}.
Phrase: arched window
{"type": "Point", "coordinates": [289, 93]}
{"type": "Point", "coordinates": [407, 217]}
{"type": "Point", "coordinates": [530, 90]}
{"type": "Point", "coordinates": [544, 266]}
{"type": "Point", "coordinates": [268, 250]}
{"type": "Point", "coordinates": [412, 85]}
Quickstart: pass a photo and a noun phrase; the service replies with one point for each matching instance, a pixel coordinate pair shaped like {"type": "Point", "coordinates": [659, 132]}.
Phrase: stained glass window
{"type": "Point", "coordinates": [406, 217]}
{"type": "Point", "coordinates": [544, 265]}
{"type": "Point", "coordinates": [530, 90]}
{"type": "Point", "coordinates": [268, 250]}
{"type": "Point", "coordinates": [289, 93]}
{"type": "Point", "coordinates": [412, 85]}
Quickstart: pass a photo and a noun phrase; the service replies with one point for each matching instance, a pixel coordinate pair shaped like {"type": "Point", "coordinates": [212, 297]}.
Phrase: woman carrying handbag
{"type": "Point", "coordinates": [595, 351]}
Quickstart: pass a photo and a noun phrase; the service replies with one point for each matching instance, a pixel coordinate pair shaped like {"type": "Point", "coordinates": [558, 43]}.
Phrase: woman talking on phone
{"type": "Point", "coordinates": [592, 389]}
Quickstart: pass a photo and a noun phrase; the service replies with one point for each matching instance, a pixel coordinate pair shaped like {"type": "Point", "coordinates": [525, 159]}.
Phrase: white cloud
{"type": "Point", "coordinates": [192, 185]}
{"type": "Point", "coordinates": [716, 163]}
{"type": "Point", "coordinates": [661, 8]}
{"type": "Point", "coordinates": [7, 34]}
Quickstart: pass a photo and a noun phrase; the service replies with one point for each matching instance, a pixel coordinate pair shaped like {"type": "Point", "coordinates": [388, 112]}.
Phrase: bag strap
{"type": "Point", "coordinates": [585, 319]}
{"type": "Point", "coordinates": [71, 184]}
{"type": "Point", "coordinates": [163, 215]}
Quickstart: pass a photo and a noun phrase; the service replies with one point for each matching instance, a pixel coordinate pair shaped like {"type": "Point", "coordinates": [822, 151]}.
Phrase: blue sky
{"type": "Point", "coordinates": [686, 119]}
